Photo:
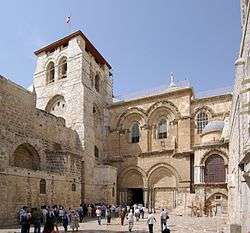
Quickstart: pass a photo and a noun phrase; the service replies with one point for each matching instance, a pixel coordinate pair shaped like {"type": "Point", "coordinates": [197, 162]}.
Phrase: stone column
{"type": "Point", "coordinates": [145, 196]}
{"type": "Point", "coordinates": [197, 175]}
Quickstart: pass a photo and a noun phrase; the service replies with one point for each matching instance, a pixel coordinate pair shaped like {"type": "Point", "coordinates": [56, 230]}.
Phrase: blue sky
{"type": "Point", "coordinates": [143, 40]}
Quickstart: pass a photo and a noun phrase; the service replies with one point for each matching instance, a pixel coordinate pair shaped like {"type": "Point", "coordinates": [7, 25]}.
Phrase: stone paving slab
{"type": "Point", "coordinates": [178, 224]}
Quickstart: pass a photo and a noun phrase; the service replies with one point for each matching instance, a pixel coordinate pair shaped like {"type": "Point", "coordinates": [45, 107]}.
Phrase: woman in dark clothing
{"type": "Point", "coordinates": [108, 214]}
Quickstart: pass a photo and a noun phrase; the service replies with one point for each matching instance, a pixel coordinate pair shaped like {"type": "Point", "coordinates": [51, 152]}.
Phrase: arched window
{"type": "Point", "coordinates": [201, 120]}
{"type": "Point", "coordinates": [162, 129]}
{"type": "Point", "coordinates": [63, 68]}
{"type": "Point", "coordinates": [50, 72]}
{"type": "Point", "coordinates": [96, 152]}
{"type": "Point", "coordinates": [135, 133]}
{"type": "Point", "coordinates": [214, 170]}
{"type": "Point", "coordinates": [73, 187]}
{"type": "Point", "coordinates": [97, 83]}
{"type": "Point", "coordinates": [42, 186]}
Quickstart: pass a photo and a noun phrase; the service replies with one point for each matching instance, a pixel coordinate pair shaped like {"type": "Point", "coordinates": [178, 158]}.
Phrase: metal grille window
{"type": "Point", "coordinates": [162, 129]}
{"type": "Point", "coordinates": [135, 134]}
{"type": "Point", "coordinates": [202, 121]}
{"type": "Point", "coordinates": [42, 186]}
{"type": "Point", "coordinates": [215, 171]}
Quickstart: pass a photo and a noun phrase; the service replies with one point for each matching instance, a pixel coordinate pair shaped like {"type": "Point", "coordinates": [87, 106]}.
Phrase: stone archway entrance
{"type": "Point", "coordinates": [162, 188]}
{"type": "Point", "coordinates": [131, 188]}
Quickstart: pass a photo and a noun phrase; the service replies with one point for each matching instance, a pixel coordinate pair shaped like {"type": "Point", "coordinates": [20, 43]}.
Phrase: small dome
{"type": "Point", "coordinates": [30, 88]}
{"type": "Point", "coordinates": [213, 126]}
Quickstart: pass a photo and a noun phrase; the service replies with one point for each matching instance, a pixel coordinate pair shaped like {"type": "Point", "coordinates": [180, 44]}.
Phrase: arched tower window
{"type": "Point", "coordinates": [215, 171]}
{"type": "Point", "coordinates": [162, 129]}
{"type": "Point", "coordinates": [201, 121]}
{"type": "Point", "coordinates": [50, 72]}
{"type": "Point", "coordinates": [96, 152]}
{"type": "Point", "coordinates": [42, 186]}
{"type": "Point", "coordinates": [97, 83]}
{"type": "Point", "coordinates": [63, 68]}
{"type": "Point", "coordinates": [135, 133]}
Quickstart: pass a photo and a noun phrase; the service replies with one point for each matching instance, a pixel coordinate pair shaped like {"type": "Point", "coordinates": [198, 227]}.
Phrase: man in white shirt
{"type": "Point", "coordinates": [151, 221]}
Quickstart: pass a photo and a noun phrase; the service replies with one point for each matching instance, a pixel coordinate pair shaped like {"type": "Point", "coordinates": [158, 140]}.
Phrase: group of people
{"type": "Point", "coordinates": [132, 214]}
{"type": "Point", "coordinates": [52, 217]}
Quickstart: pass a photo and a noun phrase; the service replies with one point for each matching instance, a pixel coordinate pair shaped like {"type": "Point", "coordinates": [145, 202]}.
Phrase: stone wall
{"type": "Point", "coordinates": [43, 137]}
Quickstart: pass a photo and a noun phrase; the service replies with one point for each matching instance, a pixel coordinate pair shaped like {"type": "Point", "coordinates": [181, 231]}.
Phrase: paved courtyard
{"type": "Point", "coordinates": [178, 224]}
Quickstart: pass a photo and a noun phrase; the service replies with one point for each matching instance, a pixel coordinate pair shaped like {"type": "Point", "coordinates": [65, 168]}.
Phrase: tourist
{"type": "Point", "coordinates": [44, 212]}
{"type": "Point", "coordinates": [137, 214]}
{"type": "Point", "coordinates": [37, 219]}
{"type": "Point", "coordinates": [122, 215]}
{"type": "Point", "coordinates": [163, 219]}
{"type": "Point", "coordinates": [130, 218]}
{"type": "Point", "coordinates": [151, 221]}
{"type": "Point", "coordinates": [89, 211]}
{"type": "Point", "coordinates": [143, 212]}
{"type": "Point", "coordinates": [112, 211]}
{"type": "Point", "coordinates": [65, 221]}
{"type": "Point", "coordinates": [135, 207]}
{"type": "Point", "coordinates": [99, 215]}
{"type": "Point", "coordinates": [108, 215]}
{"type": "Point", "coordinates": [61, 214]}
{"type": "Point", "coordinates": [23, 220]}
{"type": "Point", "coordinates": [81, 213]}
{"type": "Point", "coordinates": [74, 220]}
{"type": "Point", "coordinates": [29, 220]}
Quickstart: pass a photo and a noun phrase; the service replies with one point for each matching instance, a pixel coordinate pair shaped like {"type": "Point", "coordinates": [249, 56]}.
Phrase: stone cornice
{"type": "Point", "coordinates": [227, 96]}
{"type": "Point", "coordinates": [151, 97]}
{"type": "Point", "coordinates": [211, 185]}
{"type": "Point", "coordinates": [211, 145]}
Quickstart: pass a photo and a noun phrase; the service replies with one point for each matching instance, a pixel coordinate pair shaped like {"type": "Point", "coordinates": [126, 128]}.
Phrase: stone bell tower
{"type": "Point", "coordinates": [72, 81]}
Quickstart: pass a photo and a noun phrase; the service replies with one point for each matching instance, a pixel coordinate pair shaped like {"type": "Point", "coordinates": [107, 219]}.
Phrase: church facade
{"type": "Point", "coordinates": [68, 142]}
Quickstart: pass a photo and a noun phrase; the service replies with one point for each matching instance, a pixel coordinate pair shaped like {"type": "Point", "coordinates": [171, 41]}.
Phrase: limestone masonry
{"type": "Point", "coordinates": [67, 141]}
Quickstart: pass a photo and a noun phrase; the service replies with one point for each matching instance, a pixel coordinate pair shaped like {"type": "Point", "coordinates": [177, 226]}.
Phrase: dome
{"type": "Point", "coordinates": [213, 126]}
{"type": "Point", "coordinates": [30, 88]}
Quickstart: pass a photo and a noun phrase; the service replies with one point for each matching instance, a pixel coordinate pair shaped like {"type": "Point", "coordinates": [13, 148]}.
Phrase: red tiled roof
{"type": "Point", "coordinates": [89, 47]}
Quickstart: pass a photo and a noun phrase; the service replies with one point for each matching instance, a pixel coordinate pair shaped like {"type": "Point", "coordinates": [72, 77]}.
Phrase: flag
{"type": "Point", "coordinates": [68, 19]}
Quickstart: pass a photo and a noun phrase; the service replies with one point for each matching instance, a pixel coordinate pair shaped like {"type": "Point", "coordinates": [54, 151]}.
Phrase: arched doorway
{"type": "Point", "coordinates": [217, 204]}
{"type": "Point", "coordinates": [131, 187]}
{"type": "Point", "coordinates": [162, 188]}
{"type": "Point", "coordinates": [26, 156]}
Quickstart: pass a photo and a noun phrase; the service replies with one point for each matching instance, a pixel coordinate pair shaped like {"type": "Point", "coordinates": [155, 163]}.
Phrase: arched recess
{"type": "Point", "coordinates": [162, 183]}
{"type": "Point", "coordinates": [26, 156]}
{"type": "Point", "coordinates": [214, 152]}
{"type": "Point", "coordinates": [135, 111]}
{"type": "Point", "coordinates": [124, 177]}
{"type": "Point", "coordinates": [214, 170]}
{"type": "Point", "coordinates": [206, 109]}
{"type": "Point", "coordinates": [131, 184]}
{"type": "Point", "coordinates": [56, 106]}
{"type": "Point", "coordinates": [216, 204]}
{"type": "Point", "coordinates": [165, 105]}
